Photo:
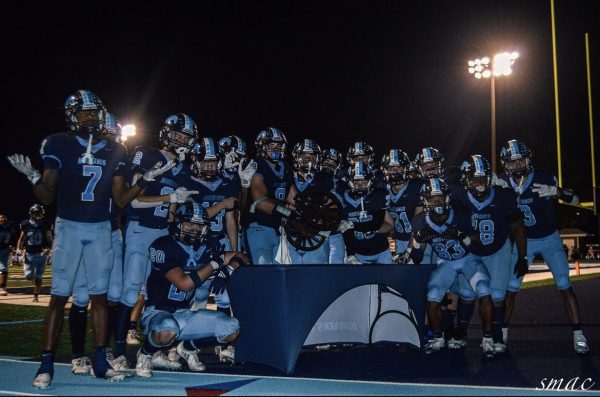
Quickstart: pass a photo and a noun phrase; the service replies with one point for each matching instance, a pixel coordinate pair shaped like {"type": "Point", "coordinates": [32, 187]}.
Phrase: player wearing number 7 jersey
{"type": "Point", "coordinates": [82, 170]}
{"type": "Point", "coordinates": [537, 190]}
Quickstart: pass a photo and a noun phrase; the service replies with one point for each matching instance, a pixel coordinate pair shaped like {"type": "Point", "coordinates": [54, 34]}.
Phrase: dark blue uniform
{"type": "Point", "coordinates": [7, 235]}
{"type": "Point", "coordinates": [540, 223]}
{"type": "Point", "coordinates": [35, 236]}
{"type": "Point", "coordinates": [402, 209]}
{"type": "Point", "coordinates": [371, 207]}
{"type": "Point", "coordinates": [211, 193]}
{"type": "Point", "coordinates": [166, 254]}
{"type": "Point", "coordinates": [316, 181]}
{"type": "Point", "coordinates": [84, 190]}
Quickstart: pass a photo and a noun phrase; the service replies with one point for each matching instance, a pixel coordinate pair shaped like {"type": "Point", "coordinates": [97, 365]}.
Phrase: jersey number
{"type": "Point", "coordinates": [179, 296]}
{"type": "Point", "coordinates": [401, 223]}
{"type": "Point", "coordinates": [443, 250]}
{"type": "Point", "coordinates": [280, 194]}
{"type": "Point", "coordinates": [163, 210]}
{"type": "Point", "coordinates": [528, 217]}
{"type": "Point", "coordinates": [95, 171]}
{"type": "Point", "coordinates": [486, 231]}
{"type": "Point", "coordinates": [216, 225]}
{"type": "Point", "coordinates": [34, 238]}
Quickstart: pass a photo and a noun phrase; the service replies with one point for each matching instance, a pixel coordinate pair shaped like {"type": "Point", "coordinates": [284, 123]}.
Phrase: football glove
{"type": "Point", "coordinates": [545, 190]}
{"type": "Point", "coordinates": [498, 181]}
{"type": "Point", "coordinates": [219, 283]}
{"type": "Point", "coordinates": [247, 173]}
{"type": "Point", "coordinates": [180, 195]}
{"type": "Point", "coordinates": [23, 165]}
{"type": "Point", "coordinates": [345, 225]}
{"type": "Point", "coordinates": [351, 260]}
{"type": "Point", "coordinates": [154, 172]}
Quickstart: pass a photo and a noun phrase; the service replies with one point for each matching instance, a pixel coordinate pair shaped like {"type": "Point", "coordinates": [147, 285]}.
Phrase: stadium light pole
{"type": "Point", "coordinates": [500, 65]}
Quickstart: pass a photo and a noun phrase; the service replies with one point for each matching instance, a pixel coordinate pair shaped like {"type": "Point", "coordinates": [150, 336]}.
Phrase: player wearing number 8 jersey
{"type": "Point", "coordinates": [537, 190]}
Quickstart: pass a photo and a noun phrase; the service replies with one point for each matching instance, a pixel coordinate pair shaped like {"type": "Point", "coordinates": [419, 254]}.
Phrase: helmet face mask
{"type": "Point", "coordinates": [271, 144]}
{"type": "Point", "coordinates": [436, 198]}
{"type": "Point", "coordinates": [37, 212]}
{"type": "Point", "coordinates": [476, 176]}
{"type": "Point", "coordinates": [207, 160]}
{"type": "Point", "coordinates": [360, 180]}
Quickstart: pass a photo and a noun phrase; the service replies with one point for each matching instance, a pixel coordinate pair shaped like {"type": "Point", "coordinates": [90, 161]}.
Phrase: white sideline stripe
{"type": "Point", "coordinates": [595, 392]}
{"type": "Point", "coordinates": [25, 322]}
{"type": "Point", "coordinates": [16, 393]}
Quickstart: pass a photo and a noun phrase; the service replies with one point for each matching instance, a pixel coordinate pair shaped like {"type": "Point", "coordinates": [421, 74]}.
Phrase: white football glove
{"type": "Point", "coordinates": [545, 190]}
{"type": "Point", "coordinates": [230, 160]}
{"type": "Point", "coordinates": [345, 225]}
{"type": "Point", "coordinates": [247, 173]}
{"type": "Point", "coordinates": [498, 181]}
{"type": "Point", "coordinates": [351, 260]}
{"type": "Point", "coordinates": [157, 170]}
{"type": "Point", "coordinates": [23, 165]}
{"type": "Point", "coordinates": [180, 195]}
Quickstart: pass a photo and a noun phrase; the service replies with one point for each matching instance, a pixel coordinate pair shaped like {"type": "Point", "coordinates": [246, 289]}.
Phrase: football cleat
{"type": "Point", "coordinates": [143, 367]}
{"type": "Point", "coordinates": [500, 347]}
{"type": "Point", "coordinates": [226, 355]}
{"type": "Point", "coordinates": [173, 356]}
{"type": "Point", "coordinates": [435, 345]}
{"type": "Point", "coordinates": [487, 345]}
{"type": "Point", "coordinates": [457, 343]}
{"type": "Point", "coordinates": [191, 357]}
{"type": "Point", "coordinates": [160, 360]}
{"type": "Point", "coordinates": [132, 337]}
{"type": "Point", "coordinates": [110, 375]}
{"type": "Point", "coordinates": [81, 366]}
{"type": "Point", "coordinates": [580, 343]}
{"type": "Point", "coordinates": [120, 365]}
{"type": "Point", "coordinates": [42, 381]}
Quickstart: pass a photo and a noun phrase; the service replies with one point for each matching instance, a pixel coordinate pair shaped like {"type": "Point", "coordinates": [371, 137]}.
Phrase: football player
{"type": "Point", "coordinates": [181, 263]}
{"type": "Point", "coordinates": [366, 209]}
{"type": "Point", "coordinates": [272, 194]}
{"type": "Point", "coordinates": [537, 190]}
{"type": "Point", "coordinates": [495, 216]}
{"type": "Point", "coordinates": [331, 166]}
{"type": "Point", "coordinates": [82, 170]}
{"type": "Point", "coordinates": [404, 198]}
{"type": "Point", "coordinates": [449, 231]}
{"type": "Point", "coordinates": [177, 136]}
{"type": "Point", "coordinates": [7, 237]}
{"type": "Point", "coordinates": [35, 240]}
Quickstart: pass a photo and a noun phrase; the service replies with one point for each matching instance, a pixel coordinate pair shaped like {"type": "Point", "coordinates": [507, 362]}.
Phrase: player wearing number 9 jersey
{"type": "Point", "coordinates": [537, 190]}
{"type": "Point", "coordinates": [272, 190]}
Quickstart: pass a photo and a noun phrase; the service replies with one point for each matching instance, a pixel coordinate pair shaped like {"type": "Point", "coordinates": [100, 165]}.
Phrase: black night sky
{"type": "Point", "coordinates": [393, 74]}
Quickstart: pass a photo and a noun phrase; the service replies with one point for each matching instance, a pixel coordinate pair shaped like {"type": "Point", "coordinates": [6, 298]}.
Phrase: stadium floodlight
{"type": "Point", "coordinates": [128, 130]}
{"type": "Point", "coordinates": [490, 68]}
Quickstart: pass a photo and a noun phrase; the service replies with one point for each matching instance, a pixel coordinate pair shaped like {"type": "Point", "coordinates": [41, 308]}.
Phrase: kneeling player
{"type": "Point", "coordinates": [450, 233]}
{"type": "Point", "coordinates": [180, 263]}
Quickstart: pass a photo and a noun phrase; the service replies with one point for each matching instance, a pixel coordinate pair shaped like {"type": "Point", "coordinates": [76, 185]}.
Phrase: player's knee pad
{"type": "Point", "coordinates": [163, 330]}
{"type": "Point", "coordinates": [435, 294]}
{"type": "Point", "coordinates": [514, 285]}
{"type": "Point", "coordinates": [226, 327]}
{"type": "Point", "coordinates": [466, 294]}
{"type": "Point", "coordinates": [130, 294]}
{"type": "Point", "coordinates": [562, 282]}
{"type": "Point", "coordinates": [498, 295]}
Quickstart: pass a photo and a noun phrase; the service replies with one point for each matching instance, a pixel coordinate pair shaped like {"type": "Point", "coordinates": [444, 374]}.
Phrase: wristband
{"type": "Point", "coordinates": [196, 278]}
{"type": "Point", "coordinates": [283, 211]}
{"type": "Point", "coordinates": [215, 265]}
{"type": "Point", "coordinates": [416, 244]}
{"type": "Point", "coordinates": [467, 241]}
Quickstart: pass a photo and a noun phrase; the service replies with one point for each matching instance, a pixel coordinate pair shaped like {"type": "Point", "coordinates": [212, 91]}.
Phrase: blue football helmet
{"type": "Point", "coordinates": [271, 144]}
{"type": "Point", "coordinates": [435, 196]}
{"type": "Point", "coordinates": [233, 148]}
{"type": "Point", "coordinates": [207, 160]}
{"type": "Point", "coordinates": [360, 179]}
{"type": "Point", "coordinates": [332, 161]}
{"type": "Point", "coordinates": [476, 175]}
{"type": "Point", "coordinates": [361, 151]}
{"type": "Point", "coordinates": [430, 163]}
{"type": "Point", "coordinates": [190, 224]}
{"type": "Point", "coordinates": [515, 158]}
{"type": "Point", "coordinates": [306, 156]}
{"type": "Point", "coordinates": [37, 212]}
{"type": "Point", "coordinates": [178, 134]}
{"type": "Point", "coordinates": [85, 114]}
{"type": "Point", "coordinates": [394, 166]}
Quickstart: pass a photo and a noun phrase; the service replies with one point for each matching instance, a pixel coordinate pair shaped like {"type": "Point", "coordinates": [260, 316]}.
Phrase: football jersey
{"type": "Point", "coordinates": [491, 218]}
{"type": "Point", "coordinates": [402, 207]}
{"type": "Point", "coordinates": [315, 181]}
{"type": "Point", "coordinates": [84, 190]}
{"type": "Point", "coordinates": [35, 236]}
{"type": "Point", "coordinates": [211, 193]}
{"type": "Point", "coordinates": [447, 249]}
{"type": "Point", "coordinates": [166, 254]}
{"type": "Point", "coordinates": [278, 183]}
{"type": "Point", "coordinates": [143, 159]}
{"type": "Point", "coordinates": [7, 235]}
{"type": "Point", "coordinates": [372, 206]}
{"type": "Point", "coordinates": [538, 213]}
